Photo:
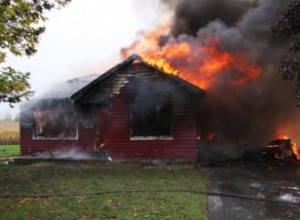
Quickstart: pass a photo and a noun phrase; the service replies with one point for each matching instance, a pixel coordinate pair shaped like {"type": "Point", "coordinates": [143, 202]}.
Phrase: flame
{"type": "Point", "coordinates": [296, 150]}
{"type": "Point", "coordinates": [210, 136]}
{"type": "Point", "coordinates": [282, 137]}
{"type": "Point", "coordinates": [200, 61]}
{"type": "Point", "coordinates": [146, 42]}
{"type": "Point", "coordinates": [294, 147]}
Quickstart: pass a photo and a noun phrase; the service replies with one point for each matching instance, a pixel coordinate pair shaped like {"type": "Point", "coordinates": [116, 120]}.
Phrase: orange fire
{"type": "Point", "coordinates": [282, 137]}
{"type": "Point", "coordinates": [296, 150]}
{"type": "Point", "coordinates": [294, 147]}
{"type": "Point", "coordinates": [200, 61]}
{"type": "Point", "coordinates": [146, 42]}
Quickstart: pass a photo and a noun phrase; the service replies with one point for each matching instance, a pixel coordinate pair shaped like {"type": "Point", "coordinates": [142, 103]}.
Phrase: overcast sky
{"type": "Point", "coordinates": [85, 37]}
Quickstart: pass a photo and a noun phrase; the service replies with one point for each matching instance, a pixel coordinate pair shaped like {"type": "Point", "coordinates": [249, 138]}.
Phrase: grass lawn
{"type": "Point", "coordinates": [9, 151]}
{"type": "Point", "coordinates": [57, 178]}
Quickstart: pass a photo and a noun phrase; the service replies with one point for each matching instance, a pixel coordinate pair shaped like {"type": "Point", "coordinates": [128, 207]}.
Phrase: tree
{"type": "Point", "coordinates": [21, 24]}
{"type": "Point", "coordinates": [288, 24]}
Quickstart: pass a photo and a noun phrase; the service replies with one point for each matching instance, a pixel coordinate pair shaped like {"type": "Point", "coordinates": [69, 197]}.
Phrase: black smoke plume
{"type": "Point", "coordinates": [245, 117]}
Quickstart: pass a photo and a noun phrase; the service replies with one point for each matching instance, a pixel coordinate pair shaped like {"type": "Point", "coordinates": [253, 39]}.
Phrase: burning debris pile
{"type": "Point", "coordinates": [281, 148]}
{"type": "Point", "coordinates": [228, 49]}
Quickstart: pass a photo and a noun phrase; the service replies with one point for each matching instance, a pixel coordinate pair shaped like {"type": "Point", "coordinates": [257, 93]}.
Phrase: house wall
{"type": "Point", "coordinates": [182, 146]}
{"type": "Point", "coordinates": [31, 146]}
{"type": "Point", "coordinates": [119, 146]}
{"type": "Point", "coordinates": [114, 93]}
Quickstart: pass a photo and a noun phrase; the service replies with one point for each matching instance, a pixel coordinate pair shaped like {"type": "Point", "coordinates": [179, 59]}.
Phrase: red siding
{"type": "Point", "coordinates": [183, 145]}
{"type": "Point", "coordinates": [29, 145]}
{"type": "Point", "coordinates": [119, 146]}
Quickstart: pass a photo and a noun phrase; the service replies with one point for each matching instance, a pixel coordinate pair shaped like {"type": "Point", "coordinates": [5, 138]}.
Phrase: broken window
{"type": "Point", "coordinates": [55, 123]}
{"type": "Point", "coordinates": [154, 120]}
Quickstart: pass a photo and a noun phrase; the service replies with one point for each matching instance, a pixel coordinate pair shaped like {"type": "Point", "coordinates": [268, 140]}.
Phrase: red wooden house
{"type": "Point", "coordinates": [133, 111]}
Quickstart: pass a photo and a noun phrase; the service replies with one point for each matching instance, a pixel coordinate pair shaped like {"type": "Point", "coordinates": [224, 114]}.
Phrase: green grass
{"type": "Point", "coordinates": [49, 178]}
{"type": "Point", "coordinates": [9, 151]}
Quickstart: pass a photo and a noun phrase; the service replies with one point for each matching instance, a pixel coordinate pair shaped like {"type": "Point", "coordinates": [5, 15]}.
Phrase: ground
{"type": "Point", "coordinates": [73, 190]}
{"type": "Point", "coordinates": [255, 191]}
{"type": "Point", "coordinates": [76, 190]}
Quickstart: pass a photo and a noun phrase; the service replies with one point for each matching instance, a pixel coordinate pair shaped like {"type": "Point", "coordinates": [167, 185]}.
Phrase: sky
{"type": "Point", "coordinates": [84, 38]}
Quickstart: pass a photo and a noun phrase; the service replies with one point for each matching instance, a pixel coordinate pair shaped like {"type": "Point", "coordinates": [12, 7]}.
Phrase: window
{"type": "Point", "coordinates": [151, 122]}
{"type": "Point", "coordinates": [54, 124]}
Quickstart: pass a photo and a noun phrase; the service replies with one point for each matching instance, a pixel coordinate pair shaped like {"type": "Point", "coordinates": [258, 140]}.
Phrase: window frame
{"type": "Point", "coordinates": [76, 137]}
{"type": "Point", "coordinates": [150, 137]}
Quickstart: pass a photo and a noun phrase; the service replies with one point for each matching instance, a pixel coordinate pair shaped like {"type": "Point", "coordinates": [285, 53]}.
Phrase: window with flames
{"type": "Point", "coordinates": [55, 124]}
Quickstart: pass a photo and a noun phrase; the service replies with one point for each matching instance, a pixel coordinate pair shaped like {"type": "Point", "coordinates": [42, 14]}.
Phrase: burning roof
{"type": "Point", "coordinates": [136, 58]}
{"type": "Point", "coordinates": [228, 49]}
{"type": "Point", "coordinates": [73, 88]}
{"type": "Point", "coordinates": [198, 61]}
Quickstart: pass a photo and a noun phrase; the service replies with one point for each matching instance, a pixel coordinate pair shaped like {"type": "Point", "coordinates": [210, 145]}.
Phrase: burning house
{"type": "Point", "coordinates": [148, 107]}
{"type": "Point", "coordinates": [133, 111]}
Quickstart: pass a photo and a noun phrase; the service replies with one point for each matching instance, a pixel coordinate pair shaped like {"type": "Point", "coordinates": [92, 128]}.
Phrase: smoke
{"type": "Point", "coordinates": [68, 153]}
{"type": "Point", "coordinates": [193, 15]}
{"type": "Point", "coordinates": [244, 117]}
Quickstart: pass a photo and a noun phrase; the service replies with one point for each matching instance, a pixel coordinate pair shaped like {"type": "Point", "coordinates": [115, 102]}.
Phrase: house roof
{"type": "Point", "coordinates": [61, 91]}
{"type": "Point", "coordinates": [78, 94]}
{"type": "Point", "coordinates": [75, 88]}
{"type": "Point", "coordinates": [67, 88]}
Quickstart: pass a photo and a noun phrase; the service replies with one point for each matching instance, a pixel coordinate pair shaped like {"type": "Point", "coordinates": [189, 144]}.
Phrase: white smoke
{"type": "Point", "coordinates": [84, 38]}
{"type": "Point", "coordinates": [66, 153]}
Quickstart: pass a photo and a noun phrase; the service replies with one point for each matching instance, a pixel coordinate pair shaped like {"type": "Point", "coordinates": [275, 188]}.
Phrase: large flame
{"type": "Point", "coordinates": [296, 150]}
{"type": "Point", "coordinates": [294, 147]}
{"type": "Point", "coordinates": [201, 61]}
